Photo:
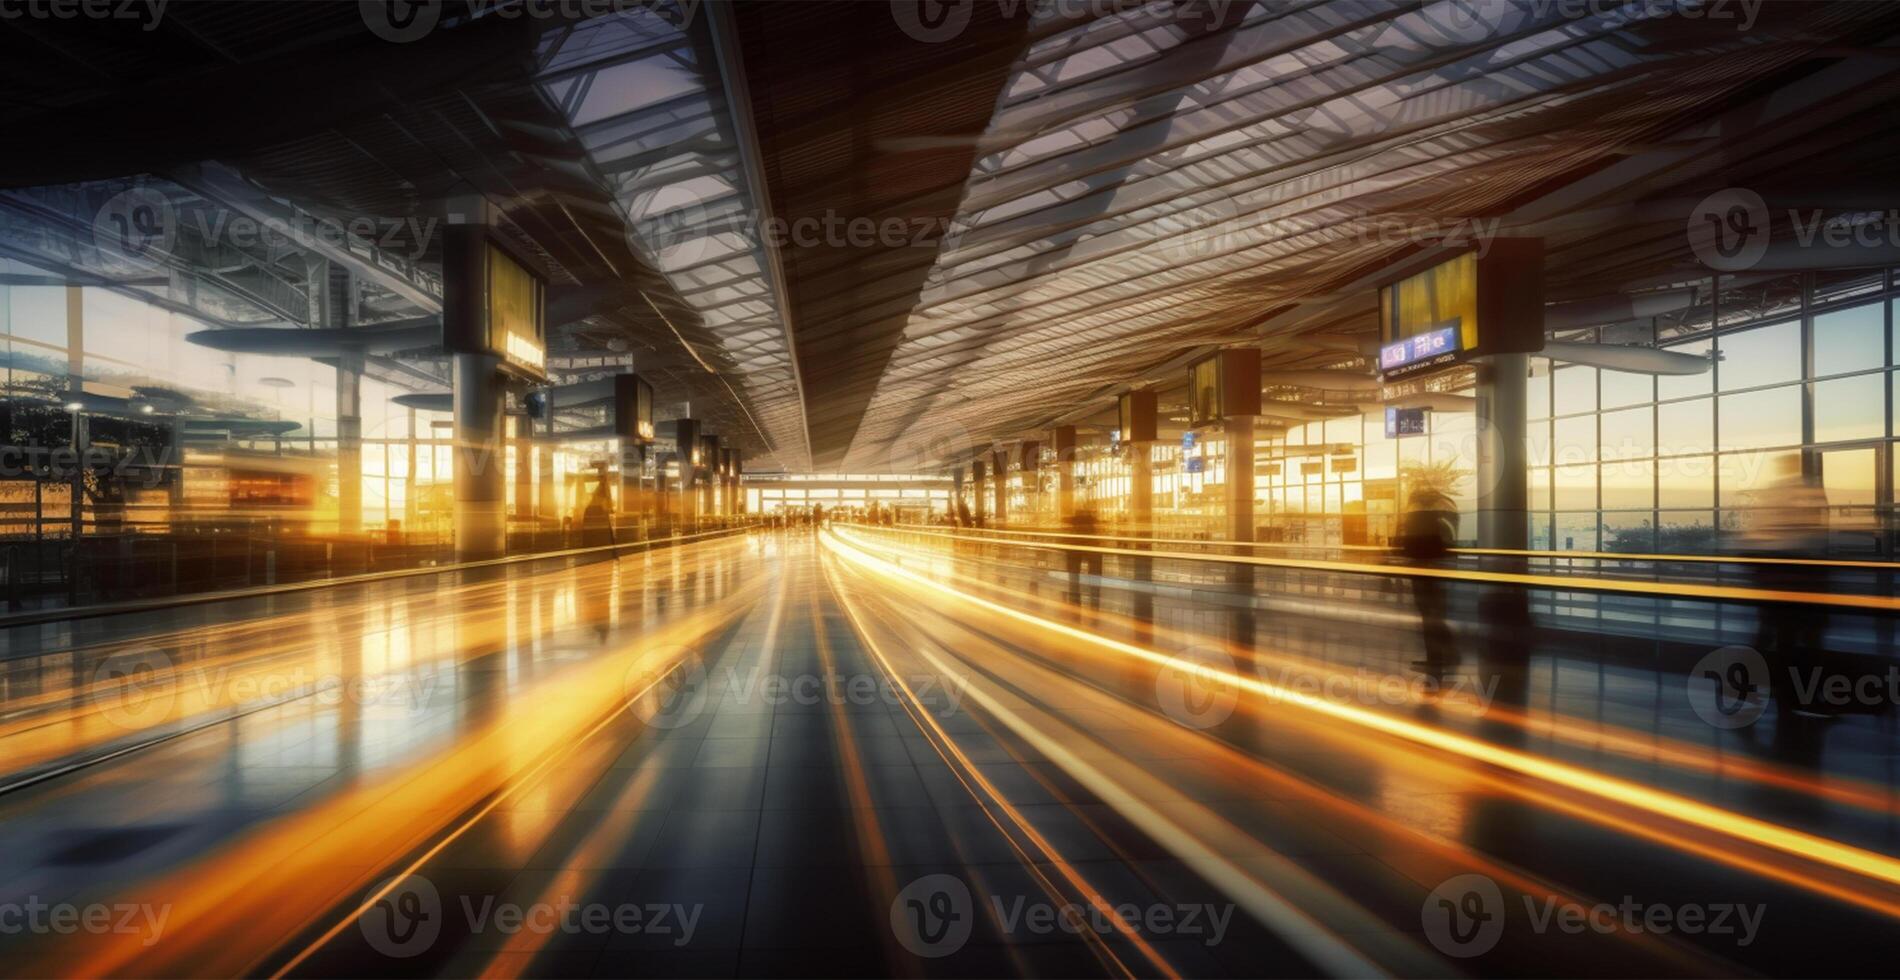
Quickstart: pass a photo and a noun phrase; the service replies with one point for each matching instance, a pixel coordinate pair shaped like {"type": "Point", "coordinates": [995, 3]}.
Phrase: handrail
{"type": "Point", "coordinates": [1886, 566]}
{"type": "Point", "coordinates": [1561, 583]}
{"type": "Point", "coordinates": [38, 616]}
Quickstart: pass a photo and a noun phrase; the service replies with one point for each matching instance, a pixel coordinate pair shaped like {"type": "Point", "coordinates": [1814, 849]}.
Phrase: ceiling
{"type": "Point", "coordinates": [852, 237]}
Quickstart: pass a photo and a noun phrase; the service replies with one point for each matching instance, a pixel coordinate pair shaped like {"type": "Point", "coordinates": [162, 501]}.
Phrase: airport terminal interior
{"type": "Point", "coordinates": [951, 488]}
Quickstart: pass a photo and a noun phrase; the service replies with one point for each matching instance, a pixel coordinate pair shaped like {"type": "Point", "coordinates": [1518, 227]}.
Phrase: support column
{"type": "Point", "coordinates": [349, 443]}
{"type": "Point", "coordinates": [547, 505]}
{"type": "Point", "coordinates": [978, 490]}
{"type": "Point", "coordinates": [999, 480]}
{"type": "Point", "coordinates": [75, 395]}
{"type": "Point", "coordinates": [1240, 436]}
{"type": "Point", "coordinates": [1064, 439]}
{"type": "Point", "coordinates": [480, 524]}
{"type": "Point", "coordinates": [1503, 464]}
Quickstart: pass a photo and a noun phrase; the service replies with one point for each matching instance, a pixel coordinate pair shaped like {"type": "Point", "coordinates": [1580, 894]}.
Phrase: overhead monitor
{"type": "Point", "coordinates": [1223, 385]}
{"type": "Point", "coordinates": [1204, 392]}
{"type": "Point", "coordinates": [1404, 422]}
{"type": "Point", "coordinates": [493, 302]}
{"type": "Point", "coordinates": [633, 408]}
{"type": "Point", "coordinates": [1137, 417]}
{"type": "Point", "coordinates": [1469, 306]}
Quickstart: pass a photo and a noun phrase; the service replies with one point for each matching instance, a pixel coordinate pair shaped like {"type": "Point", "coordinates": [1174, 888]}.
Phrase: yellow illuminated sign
{"type": "Point", "coordinates": [514, 312]}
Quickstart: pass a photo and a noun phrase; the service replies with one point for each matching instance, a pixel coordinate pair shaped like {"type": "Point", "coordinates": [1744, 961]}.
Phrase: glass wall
{"type": "Point", "coordinates": [1801, 391]}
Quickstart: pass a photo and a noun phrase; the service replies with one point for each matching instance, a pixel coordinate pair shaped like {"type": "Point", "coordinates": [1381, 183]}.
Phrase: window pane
{"type": "Point", "coordinates": [1576, 390]}
{"type": "Point", "coordinates": [1539, 483]}
{"type": "Point", "coordinates": [1574, 440]}
{"type": "Point", "coordinates": [1685, 385]}
{"type": "Point", "coordinates": [1576, 487]}
{"type": "Point", "coordinates": [1850, 408]}
{"type": "Point", "coordinates": [1685, 532]}
{"type": "Point", "coordinates": [1577, 532]}
{"type": "Point", "coordinates": [1762, 356]}
{"type": "Point", "coordinates": [1761, 419]}
{"type": "Point", "coordinates": [1686, 481]}
{"type": "Point", "coordinates": [1686, 427]}
{"type": "Point", "coordinates": [1629, 533]}
{"type": "Point", "coordinates": [1537, 442]}
{"type": "Point", "coordinates": [1620, 389]}
{"type": "Point", "coordinates": [1629, 484]}
{"type": "Point", "coordinates": [1849, 340]}
{"type": "Point", "coordinates": [1741, 475]}
{"type": "Point", "coordinates": [1629, 434]}
{"type": "Point", "coordinates": [1538, 389]}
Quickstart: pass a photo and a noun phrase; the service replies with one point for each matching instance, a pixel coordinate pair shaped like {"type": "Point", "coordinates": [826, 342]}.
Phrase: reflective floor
{"type": "Point", "coordinates": [864, 751]}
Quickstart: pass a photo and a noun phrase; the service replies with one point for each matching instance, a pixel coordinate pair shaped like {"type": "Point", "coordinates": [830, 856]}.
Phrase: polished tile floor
{"type": "Point", "coordinates": [845, 753]}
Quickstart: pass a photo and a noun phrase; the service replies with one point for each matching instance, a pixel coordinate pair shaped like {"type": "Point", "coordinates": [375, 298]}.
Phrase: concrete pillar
{"type": "Point", "coordinates": [480, 524]}
{"type": "Point", "coordinates": [1240, 436]}
{"type": "Point", "coordinates": [978, 490]}
{"type": "Point", "coordinates": [1141, 487]}
{"type": "Point", "coordinates": [349, 443]}
{"type": "Point", "coordinates": [524, 467]}
{"type": "Point", "coordinates": [1064, 439]}
{"type": "Point", "coordinates": [547, 505]}
{"type": "Point", "coordinates": [1503, 464]}
{"type": "Point", "coordinates": [999, 485]}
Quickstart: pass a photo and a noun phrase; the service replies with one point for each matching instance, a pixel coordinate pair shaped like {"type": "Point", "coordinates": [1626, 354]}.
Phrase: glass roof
{"type": "Point", "coordinates": [641, 88]}
{"type": "Point", "coordinates": [1153, 178]}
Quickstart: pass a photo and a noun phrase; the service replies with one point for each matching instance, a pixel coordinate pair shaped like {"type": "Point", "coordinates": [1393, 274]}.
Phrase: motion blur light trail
{"type": "Point", "coordinates": [1687, 590]}
{"type": "Point", "coordinates": [1702, 816]}
{"type": "Point", "coordinates": [1592, 735]}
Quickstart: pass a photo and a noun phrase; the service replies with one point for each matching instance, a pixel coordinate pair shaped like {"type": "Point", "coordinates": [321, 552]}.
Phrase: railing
{"type": "Point", "coordinates": [112, 562]}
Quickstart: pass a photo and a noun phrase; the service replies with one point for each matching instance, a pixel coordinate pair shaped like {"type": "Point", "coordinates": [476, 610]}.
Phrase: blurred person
{"type": "Point", "coordinates": [1083, 523]}
{"type": "Point", "coordinates": [1787, 517]}
{"type": "Point", "coordinates": [1426, 535]}
{"type": "Point", "coordinates": [597, 522]}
